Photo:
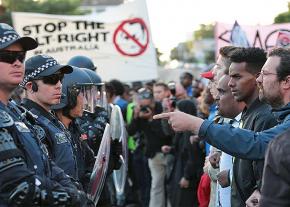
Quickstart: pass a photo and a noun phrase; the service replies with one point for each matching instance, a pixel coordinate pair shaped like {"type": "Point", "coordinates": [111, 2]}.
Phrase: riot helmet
{"type": "Point", "coordinates": [82, 62]}
{"type": "Point", "coordinates": [73, 84]}
{"type": "Point", "coordinates": [96, 79]}
{"type": "Point", "coordinates": [99, 87]}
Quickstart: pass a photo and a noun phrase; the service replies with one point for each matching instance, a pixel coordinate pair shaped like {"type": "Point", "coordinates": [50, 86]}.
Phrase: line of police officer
{"type": "Point", "coordinates": [30, 139]}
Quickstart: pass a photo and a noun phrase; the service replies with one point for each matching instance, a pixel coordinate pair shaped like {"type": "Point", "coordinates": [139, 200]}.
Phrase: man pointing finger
{"type": "Point", "coordinates": [180, 121]}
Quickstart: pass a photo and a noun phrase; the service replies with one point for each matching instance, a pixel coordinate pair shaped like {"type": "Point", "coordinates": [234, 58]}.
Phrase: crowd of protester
{"type": "Point", "coordinates": [164, 167]}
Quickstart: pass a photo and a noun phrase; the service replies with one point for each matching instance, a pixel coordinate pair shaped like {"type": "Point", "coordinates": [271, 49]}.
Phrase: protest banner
{"type": "Point", "coordinates": [118, 40]}
{"type": "Point", "coordinates": [266, 36]}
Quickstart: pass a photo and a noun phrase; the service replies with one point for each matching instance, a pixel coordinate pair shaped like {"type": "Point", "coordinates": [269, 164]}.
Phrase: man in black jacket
{"type": "Point", "coordinates": [246, 65]}
{"type": "Point", "coordinates": [155, 139]}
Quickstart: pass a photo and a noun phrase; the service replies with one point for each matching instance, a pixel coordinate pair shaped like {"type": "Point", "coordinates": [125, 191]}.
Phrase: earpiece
{"type": "Point", "coordinates": [34, 87]}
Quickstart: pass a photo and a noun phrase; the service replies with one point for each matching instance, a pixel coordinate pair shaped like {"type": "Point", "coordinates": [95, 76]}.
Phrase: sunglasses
{"type": "Point", "coordinates": [10, 57]}
{"type": "Point", "coordinates": [52, 79]}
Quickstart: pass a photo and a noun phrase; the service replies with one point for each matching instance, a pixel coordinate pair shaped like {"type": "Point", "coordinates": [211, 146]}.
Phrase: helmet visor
{"type": "Point", "coordinates": [101, 100]}
{"type": "Point", "coordinates": [88, 92]}
{"type": "Point", "coordinates": [94, 96]}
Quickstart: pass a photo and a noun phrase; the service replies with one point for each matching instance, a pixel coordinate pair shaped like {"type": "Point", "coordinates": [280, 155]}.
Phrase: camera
{"type": "Point", "coordinates": [144, 109]}
{"type": "Point", "coordinates": [172, 88]}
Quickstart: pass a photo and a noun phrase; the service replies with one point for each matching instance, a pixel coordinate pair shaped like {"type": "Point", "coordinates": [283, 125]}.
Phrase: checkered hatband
{"type": "Point", "coordinates": [37, 71]}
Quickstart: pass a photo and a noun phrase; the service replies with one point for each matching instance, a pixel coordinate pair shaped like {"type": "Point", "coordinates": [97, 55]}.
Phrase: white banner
{"type": "Point", "coordinates": [266, 36]}
{"type": "Point", "coordinates": [118, 39]}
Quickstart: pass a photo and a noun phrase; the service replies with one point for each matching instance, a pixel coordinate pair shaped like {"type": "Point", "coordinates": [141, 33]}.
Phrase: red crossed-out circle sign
{"type": "Point", "coordinates": [283, 39]}
{"type": "Point", "coordinates": [131, 37]}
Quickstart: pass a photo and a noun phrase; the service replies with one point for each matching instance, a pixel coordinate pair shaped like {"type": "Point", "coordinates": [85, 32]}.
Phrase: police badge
{"type": "Point", "coordinates": [60, 138]}
{"type": "Point", "coordinates": [40, 133]}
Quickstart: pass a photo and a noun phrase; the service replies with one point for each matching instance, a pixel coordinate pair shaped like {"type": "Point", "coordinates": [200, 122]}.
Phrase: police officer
{"type": "Point", "coordinates": [27, 177]}
{"type": "Point", "coordinates": [92, 124]}
{"type": "Point", "coordinates": [95, 123]}
{"type": "Point", "coordinates": [77, 96]}
{"type": "Point", "coordinates": [42, 81]}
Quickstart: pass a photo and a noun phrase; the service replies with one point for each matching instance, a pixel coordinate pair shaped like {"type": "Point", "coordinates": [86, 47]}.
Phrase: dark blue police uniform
{"type": "Point", "coordinates": [62, 149]}
{"type": "Point", "coordinates": [27, 177]}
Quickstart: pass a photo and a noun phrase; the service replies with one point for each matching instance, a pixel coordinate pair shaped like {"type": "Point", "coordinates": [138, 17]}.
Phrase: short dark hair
{"type": "Point", "coordinates": [226, 52]}
{"type": "Point", "coordinates": [118, 87]}
{"type": "Point", "coordinates": [165, 86]}
{"type": "Point", "coordinates": [254, 57]}
{"type": "Point", "coordinates": [186, 74]}
{"type": "Point", "coordinates": [283, 69]}
{"type": "Point", "coordinates": [136, 85]}
{"type": "Point", "coordinates": [109, 89]}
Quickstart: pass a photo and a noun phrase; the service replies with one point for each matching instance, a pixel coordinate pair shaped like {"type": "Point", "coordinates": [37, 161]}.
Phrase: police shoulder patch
{"type": "Point", "coordinates": [5, 119]}
{"type": "Point", "coordinates": [60, 138]}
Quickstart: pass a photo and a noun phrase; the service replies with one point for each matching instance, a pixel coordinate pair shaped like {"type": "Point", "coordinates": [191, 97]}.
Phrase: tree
{"type": "Point", "coordinates": [283, 17]}
{"type": "Point", "coordinates": [4, 15]}
{"type": "Point", "coordinates": [209, 57]}
{"type": "Point", "coordinates": [204, 32]}
{"type": "Point", "coordinates": [66, 7]}
{"type": "Point", "coordinates": [184, 52]}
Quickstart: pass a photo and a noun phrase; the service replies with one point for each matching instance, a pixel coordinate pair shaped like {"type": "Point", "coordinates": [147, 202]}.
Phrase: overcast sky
{"type": "Point", "coordinates": [173, 21]}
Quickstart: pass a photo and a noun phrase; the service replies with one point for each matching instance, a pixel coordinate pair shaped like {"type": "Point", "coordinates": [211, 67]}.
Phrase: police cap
{"type": "Point", "coordinates": [41, 66]}
{"type": "Point", "coordinates": [9, 36]}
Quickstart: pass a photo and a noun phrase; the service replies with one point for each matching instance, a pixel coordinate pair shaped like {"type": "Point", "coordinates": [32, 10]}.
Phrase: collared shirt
{"type": "Point", "coordinates": [226, 163]}
{"type": "Point", "coordinates": [29, 104]}
{"type": "Point", "coordinates": [236, 123]}
{"type": "Point", "coordinates": [236, 120]}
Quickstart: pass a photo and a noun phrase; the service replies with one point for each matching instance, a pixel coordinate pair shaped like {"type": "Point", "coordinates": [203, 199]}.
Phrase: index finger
{"type": "Point", "coordinates": [162, 116]}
